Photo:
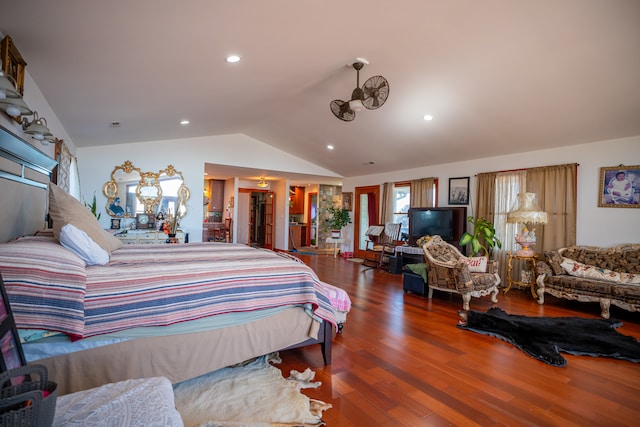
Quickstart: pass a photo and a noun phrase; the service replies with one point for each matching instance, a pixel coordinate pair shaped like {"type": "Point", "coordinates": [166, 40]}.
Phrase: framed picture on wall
{"type": "Point", "coordinates": [347, 201]}
{"type": "Point", "coordinates": [619, 187]}
{"type": "Point", "coordinates": [12, 63]}
{"type": "Point", "coordinates": [459, 191]}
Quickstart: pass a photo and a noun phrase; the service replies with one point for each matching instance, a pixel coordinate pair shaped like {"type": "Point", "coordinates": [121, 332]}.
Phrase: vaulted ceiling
{"type": "Point", "coordinates": [498, 76]}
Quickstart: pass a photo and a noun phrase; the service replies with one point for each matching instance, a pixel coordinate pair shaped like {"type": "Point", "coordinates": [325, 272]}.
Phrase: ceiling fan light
{"type": "Point", "coordinates": [356, 105]}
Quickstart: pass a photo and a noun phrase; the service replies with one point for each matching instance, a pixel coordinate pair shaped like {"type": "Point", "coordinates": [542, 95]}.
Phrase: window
{"type": "Point", "coordinates": [401, 204]}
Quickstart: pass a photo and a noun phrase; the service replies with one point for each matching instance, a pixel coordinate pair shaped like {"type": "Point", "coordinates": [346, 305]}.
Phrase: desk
{"type": "Point", "coordinates": [335, 242]}
{"type": "Point", "coordinates": [527, 275]}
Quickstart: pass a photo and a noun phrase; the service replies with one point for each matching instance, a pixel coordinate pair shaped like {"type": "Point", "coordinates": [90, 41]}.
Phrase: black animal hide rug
{"type": "Point", "coordinates": [544, 337]}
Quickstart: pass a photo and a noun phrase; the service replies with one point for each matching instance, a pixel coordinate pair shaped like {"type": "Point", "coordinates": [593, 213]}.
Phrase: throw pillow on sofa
{"type": "Point", "coordinates": [578, 269]}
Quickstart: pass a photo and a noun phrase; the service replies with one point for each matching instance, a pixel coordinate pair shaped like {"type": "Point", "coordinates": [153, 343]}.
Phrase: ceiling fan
{"type": "Point", "coordinates": [372, 95]}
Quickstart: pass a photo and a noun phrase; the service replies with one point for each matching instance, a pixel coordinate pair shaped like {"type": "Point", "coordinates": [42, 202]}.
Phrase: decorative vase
{"type": "Point", "coordinates": [335, 234]}
{"type": "Point", "coordinates": [172, 238]}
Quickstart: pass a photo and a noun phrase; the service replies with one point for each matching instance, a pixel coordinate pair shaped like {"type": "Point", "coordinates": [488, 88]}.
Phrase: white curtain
{"type": "Point", "coordinates": [387, 202]}
{"type": "Point", "coordinates": [508, 185]}
{"type": "Point", "coordinates": [74, 179]}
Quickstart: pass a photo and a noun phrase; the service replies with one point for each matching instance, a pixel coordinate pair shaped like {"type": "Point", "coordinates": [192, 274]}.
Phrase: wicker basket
{"type": "Point", "coordinates": [25, 404]}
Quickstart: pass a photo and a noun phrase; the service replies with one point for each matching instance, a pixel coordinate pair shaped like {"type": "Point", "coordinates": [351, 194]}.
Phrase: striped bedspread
{"type": "Point", "coordinates": [151, 285]}
{"type": "Point", "coordinates": [155, 285]}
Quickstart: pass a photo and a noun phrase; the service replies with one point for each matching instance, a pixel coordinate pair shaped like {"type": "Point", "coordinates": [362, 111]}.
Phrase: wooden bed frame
{"type": "Point", "coordinates": [24, 176]}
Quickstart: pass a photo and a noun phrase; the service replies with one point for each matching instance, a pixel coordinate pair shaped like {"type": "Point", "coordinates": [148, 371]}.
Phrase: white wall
{"type": "Point", "coordinates": [595, 226]}
{"type": "Point", "coordinates": [188, 156]}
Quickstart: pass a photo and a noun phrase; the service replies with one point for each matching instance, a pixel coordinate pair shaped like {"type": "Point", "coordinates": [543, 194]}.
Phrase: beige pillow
{"type": "Point", "coordinates": [66, 209]}
{"type": "Point", "coordinates": [113, 242]}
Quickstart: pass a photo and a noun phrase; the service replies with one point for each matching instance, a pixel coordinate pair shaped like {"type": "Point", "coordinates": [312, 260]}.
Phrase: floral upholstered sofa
{"type": "Point", "coordinates": [594, 274]}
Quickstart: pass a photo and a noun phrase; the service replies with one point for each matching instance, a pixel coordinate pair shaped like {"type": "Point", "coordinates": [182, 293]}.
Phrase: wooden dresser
{"type": "Point", "coordinates": [148, 237]}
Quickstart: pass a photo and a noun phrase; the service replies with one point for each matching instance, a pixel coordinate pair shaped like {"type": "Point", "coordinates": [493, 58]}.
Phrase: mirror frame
{"type": "Point", "coordinates": [183, 192]}
{"type": "Point", "coordinates": [149, 180]}
{"type": "Point", "coordinates": [110, 188]}
{"type": "Point", "coordinates": [146, 180]}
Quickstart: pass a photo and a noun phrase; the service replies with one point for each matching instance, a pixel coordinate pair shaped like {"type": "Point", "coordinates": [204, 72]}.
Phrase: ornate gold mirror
{"type": "Point", "coordinates": [132, 191]}
{"type": "Point", "coordinates": [174, 193]}
{"type": "Point", "coordinates": [149, 192]}
{"type": "Point", "coordinates": [121, 191]}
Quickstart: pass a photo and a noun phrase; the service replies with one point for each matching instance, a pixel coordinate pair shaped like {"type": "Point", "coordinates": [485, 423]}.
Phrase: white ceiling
{"type": "Point", "coordinates": [499, 76]}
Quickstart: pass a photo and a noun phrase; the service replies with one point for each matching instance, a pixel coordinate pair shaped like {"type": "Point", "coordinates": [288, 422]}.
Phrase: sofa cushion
{"type": "Point", "coordinates": [554, 259]}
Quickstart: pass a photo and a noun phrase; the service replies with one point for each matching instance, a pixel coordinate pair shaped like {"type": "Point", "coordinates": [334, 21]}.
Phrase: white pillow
{"type": "Point", "coordinates": [79, 242]}
{"type": "Point", "coordinates": [578, 269]}
{"type": "Point", "coordinates": [477, 264]}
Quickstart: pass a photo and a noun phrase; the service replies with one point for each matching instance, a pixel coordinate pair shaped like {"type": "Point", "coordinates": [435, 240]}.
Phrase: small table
{"type": "Point", "coordinates": [528, 273]}
{"type": "Point", "coordinates": [335, 242]}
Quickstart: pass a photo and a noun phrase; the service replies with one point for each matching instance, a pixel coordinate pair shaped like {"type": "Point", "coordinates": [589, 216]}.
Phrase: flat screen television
{"type": "Point", "coordinates": [449, 223]}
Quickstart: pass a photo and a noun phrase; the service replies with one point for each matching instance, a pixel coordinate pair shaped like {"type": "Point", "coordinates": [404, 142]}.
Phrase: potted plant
{"type": "Point", "coordinates": [483, 238]}
{"type": "Point", "coordinates": [339, 218]}
{"type": "Point", "coordinates": [93, 207]}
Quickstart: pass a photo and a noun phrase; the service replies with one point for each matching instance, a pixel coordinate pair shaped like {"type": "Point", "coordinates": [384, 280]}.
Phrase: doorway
{"type": "Point", "coordinates": [366, 213]}
{"type": "Point", "coordinates": [312, 219]}
{"type": "Point", "coordinates": [255, 218]}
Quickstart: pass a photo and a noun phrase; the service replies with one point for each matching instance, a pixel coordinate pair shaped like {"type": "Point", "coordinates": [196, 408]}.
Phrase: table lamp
{"type": "Point", "coordinates": [528, 214]}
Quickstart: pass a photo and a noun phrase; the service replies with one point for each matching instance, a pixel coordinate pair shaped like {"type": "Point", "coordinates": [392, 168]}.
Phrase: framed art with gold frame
{"type": "Point", "coordinates": [347, 201]}
{"type": "Point", "coordinates": [12, 63]}
{"type": "Point", "coordinates": [619, 187]}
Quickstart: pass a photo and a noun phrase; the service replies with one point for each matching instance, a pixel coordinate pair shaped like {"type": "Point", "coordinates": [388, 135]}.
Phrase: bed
{"type": "Point", "coordinates": [177, 311]}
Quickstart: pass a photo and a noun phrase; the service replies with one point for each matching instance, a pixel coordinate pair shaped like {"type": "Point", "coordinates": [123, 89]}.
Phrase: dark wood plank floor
{"type": "Point", "coordinates": [401, 361]}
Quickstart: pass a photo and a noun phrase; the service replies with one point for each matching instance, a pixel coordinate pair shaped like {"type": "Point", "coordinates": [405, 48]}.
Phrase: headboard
{"type": "Point", "coordinates": [25, 173]}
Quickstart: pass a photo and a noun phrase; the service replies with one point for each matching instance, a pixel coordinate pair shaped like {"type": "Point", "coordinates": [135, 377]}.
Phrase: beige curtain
{"type": "Point", "coordinates": [556, 187]}
{"type": "Point", "coordinates": [486, 196]}
{"type": "Point", "coordinates": [422, 193]}
{"type": "Point", "coordinates": [387, 202]}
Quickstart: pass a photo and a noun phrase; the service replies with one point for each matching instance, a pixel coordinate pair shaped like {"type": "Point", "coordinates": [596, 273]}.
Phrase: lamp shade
{"type": "Point", "coordinates": [7, 88]}
{"type": "Point", "coordinates": [37, 128]}
{"type": "Point", "coordinates": [262, 183]}
{"type": "Point", "coordinates": [15, 107]}
{"type": "Point", "coordinates": [527, 211]}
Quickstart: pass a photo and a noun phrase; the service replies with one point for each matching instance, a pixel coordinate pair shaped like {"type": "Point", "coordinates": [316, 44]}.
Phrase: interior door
{"type": "Point", "coordinates": [366, 212]}
{"type": "Point", "coordinates": [268, 219]}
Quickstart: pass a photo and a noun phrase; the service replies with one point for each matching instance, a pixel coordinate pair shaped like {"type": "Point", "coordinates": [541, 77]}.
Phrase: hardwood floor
{"type": "Point", "coordinates": [401, 361]}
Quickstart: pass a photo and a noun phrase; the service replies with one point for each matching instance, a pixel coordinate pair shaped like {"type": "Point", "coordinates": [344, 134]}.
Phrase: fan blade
{"type": "Point", "coordinates": [341, 110]}
{"type": "Point", "coordinates": [376, 91]}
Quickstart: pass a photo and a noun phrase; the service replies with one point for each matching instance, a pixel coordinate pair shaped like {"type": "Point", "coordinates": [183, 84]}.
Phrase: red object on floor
{"type": "Point", "coordinates": [347, 255]}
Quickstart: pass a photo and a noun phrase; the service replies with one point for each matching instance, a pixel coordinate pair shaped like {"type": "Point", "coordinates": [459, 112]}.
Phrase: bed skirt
{"type": "Point", "coordinates": [184, 356]}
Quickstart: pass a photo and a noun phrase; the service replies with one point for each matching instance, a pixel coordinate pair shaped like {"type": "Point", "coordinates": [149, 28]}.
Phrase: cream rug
{"type": "Point", "coordinates": [357, 260]}
{"type": "Point", "coordinates": [253, 394]}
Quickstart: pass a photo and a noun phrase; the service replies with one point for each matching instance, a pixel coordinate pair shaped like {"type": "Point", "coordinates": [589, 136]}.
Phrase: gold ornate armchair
{"type": "Point", "coordinates": [448, 270]}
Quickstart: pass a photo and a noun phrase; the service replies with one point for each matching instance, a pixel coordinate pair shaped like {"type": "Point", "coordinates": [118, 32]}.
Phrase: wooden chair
{"type": "Point", "coordinates": [222, 234]}
{"type": "Point", "coordinates": [448, 270]}
{"type": "Point", "coordinates": [377, 252]}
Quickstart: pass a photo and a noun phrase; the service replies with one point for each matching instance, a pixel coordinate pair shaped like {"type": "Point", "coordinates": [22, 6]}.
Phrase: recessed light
{"type": "Point", "coordinates": [233, 58]}
{"type": "Point", "coordinates": [329, 147]}
{"type": "Point", "coordinates": [184, 122]}
{"type": "Point", "coordinates": [427, 117]}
